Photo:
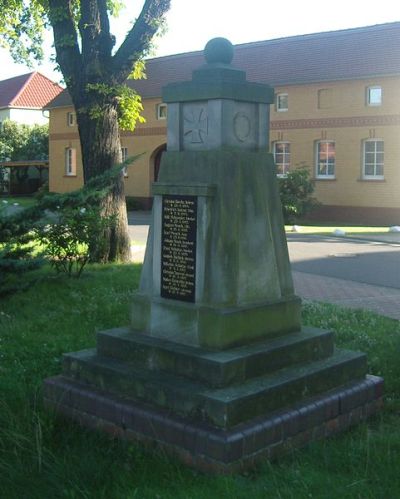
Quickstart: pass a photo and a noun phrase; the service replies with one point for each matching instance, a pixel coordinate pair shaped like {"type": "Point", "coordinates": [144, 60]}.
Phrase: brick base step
{"type": "Point", "coordinates": [208, 448]}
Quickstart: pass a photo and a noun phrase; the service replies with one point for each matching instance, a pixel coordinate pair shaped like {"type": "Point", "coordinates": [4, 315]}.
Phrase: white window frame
{"type": "Point", "coordinates": [162, 111]}
{"type": "Point", "coordinates": [318, 174]}
{"type": "Point", "coordinates": [286, 154]}
{"type": "Point", "coordinates": [70, 162]}
{"type": "Point", "coordinates": [278, 103]}
{"type": "Point", "coordinates": [368, 96]}
{"type": "Point", "coordinates": [124, 155]}
{"type": "Point", "coordinates": [71, 119]}
{"type": "Point", "coordinates": [375, 161]}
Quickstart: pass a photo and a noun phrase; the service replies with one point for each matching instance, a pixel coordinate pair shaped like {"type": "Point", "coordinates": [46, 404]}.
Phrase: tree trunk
{"type": "Point", "coordinates": [101, 150]}
{"type": "Point", "coordinates": [85, 55]}
{"type": "Point", "coordinates": [118, 247]}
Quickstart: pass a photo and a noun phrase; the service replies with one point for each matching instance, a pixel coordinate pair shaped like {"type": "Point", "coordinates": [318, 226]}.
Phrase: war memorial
{"type": "Point", "coordinates": [215, 367]}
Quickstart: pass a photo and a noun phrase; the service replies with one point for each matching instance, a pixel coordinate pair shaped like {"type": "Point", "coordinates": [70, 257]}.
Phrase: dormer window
{"type": "Point", "coordinates": [374, 96]}
{"type": "Point", "coordinates": [282, 102]}
{"type": "Point", "coordinates": [162, 111]}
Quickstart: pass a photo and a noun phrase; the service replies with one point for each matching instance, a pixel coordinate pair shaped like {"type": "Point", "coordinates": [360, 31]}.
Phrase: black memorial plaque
{"type": "Point", "coordinates": [178, 247]}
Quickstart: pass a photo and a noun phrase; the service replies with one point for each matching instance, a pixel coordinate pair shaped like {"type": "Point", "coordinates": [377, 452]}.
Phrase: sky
{"type": "Point", "coordinates": [192, 23]}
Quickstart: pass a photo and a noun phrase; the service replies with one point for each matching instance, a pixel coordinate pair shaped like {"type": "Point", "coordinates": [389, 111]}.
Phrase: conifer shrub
{"type": "Point", "coordinates": [66, 230]}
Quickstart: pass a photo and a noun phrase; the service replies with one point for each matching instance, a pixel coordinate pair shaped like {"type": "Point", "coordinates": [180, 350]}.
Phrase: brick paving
{"type": "Point", "coordinates": [379, 299]}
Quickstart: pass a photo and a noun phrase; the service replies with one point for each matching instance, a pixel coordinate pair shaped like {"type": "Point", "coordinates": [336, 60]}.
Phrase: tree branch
{"type": "Point", "coordinates": [97, 41]}
{"type": "Point", "coordinates": [138, 40]}
{"type": "Point", "coordinates": [68, 54]}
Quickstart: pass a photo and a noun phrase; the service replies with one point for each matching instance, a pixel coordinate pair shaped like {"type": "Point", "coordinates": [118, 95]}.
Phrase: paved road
{"type": "Point", "coordinates": [368, 262]}
{"type": "Point", "coordinates": [349, 272]}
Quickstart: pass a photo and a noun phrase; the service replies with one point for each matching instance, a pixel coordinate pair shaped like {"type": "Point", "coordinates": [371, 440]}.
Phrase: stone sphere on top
{"type": "Point", "coordinates": [218, 51]}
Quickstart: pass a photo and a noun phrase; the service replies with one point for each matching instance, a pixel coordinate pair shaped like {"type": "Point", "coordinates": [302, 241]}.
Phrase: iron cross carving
{"type": "Point", "coordinates": [195, 125]}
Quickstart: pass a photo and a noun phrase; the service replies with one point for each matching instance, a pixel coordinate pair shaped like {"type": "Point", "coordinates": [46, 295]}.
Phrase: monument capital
{"type": "Point", "coordinates": [218, 108]}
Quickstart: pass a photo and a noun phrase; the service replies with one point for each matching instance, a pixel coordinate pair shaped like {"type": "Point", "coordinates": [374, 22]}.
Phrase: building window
{"type": "Point", "coordinates": [282, 102]}
{"type": "Point", "coordinates": [374, 96]}
{"type": "Point", "coordinates": [70, 161]}
{"type": "Point", "coordinates": [124, 155]}
{"type": "Point", "coordinates": [71, 119]}
{"type": "Point", "coordinates": [161, 111]}
{"type": "Point", "coordinates": [281, 152]}
{"type": "Point", "coordinates": [325, 159]}
{"type": "Point", "coordinates": [373, 154]}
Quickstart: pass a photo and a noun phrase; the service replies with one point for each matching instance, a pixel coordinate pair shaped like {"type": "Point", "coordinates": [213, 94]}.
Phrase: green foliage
{"type": "Point", "coordinates": [69, 239]}
{"type": "Point", "coordinates": [129, 108]}
{"type": "Point", "coordinates": [18, 255]}
{"type": "Point", "coordinates": [139, 71]}
{"type": "Point", "coordinates": [296, 189]}
{"type": "Point", "coordinates": [129, 104]}
{"type": "Point", "coordinates": [68, 242]}
{"type": "Point", "coordinates": [23, 142]}
{"type": "Point", "coordinates": [42, 191]}
{"type": "Point", "coordinates": [22, 26]}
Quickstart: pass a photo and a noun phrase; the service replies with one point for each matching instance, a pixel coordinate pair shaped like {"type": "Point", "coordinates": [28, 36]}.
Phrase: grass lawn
{"type": "Point", "coordinates": [43, 457]}
{"type": "Point", "coordinates": [25, 202]}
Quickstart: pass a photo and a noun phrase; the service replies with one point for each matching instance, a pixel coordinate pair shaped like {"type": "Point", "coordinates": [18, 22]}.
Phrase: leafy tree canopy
{"type": "Point", "coordinates": [22, 26]}
{"type": "Point", "coordinates": [23, 142]}
{"type": "Point", "coordinates": [23, 23]}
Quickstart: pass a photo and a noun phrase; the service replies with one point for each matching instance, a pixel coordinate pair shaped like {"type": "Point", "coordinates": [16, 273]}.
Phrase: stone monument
{"type": "Point", "coordinates": [215, 366]}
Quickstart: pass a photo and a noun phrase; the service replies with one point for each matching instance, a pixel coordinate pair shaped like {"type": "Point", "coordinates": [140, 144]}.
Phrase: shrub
{"type": "Point", "coordinates": [42, 191]}
{"type": "Point", "coordinates": [68, 242]}
{"type": "Point", "coordinates": [18, 254]}
{"type": "Point", "coordinates": [72, 232]}
{"type": "Point", "coordinates": [296, 189]}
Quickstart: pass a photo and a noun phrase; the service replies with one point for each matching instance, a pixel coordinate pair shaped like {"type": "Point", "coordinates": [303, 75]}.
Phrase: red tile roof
{"type": "Point", "coordinates": [32, 90]}
{"type": "Point", "coordinates": [329, 56]}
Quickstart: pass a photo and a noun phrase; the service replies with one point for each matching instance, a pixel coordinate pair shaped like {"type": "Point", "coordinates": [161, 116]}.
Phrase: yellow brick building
{"type": "Point", "coordinates": [337, 111]}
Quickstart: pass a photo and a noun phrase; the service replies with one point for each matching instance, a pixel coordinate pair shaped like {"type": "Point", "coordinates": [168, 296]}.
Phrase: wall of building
{"type": "Point", "coordinates": [4, 115]}
{"type": "Point", "coordinates": [146, 139]}
{"type": "Point", "coordinates": [24, 116]}
{"type": "Point", "coordinates": [347, 121]}
{"type": "Point", "coordinates": [335, 111]}
{"type": "Point", "coordinates": [348, 98]}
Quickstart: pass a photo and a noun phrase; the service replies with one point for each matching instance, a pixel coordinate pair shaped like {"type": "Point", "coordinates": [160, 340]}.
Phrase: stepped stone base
{"type": "Point", "coordinates": [215, 449]}
{"type": "Point", "coordinates": [216, 410]}
{"type": "Point", "coordinates": [224, 388]}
